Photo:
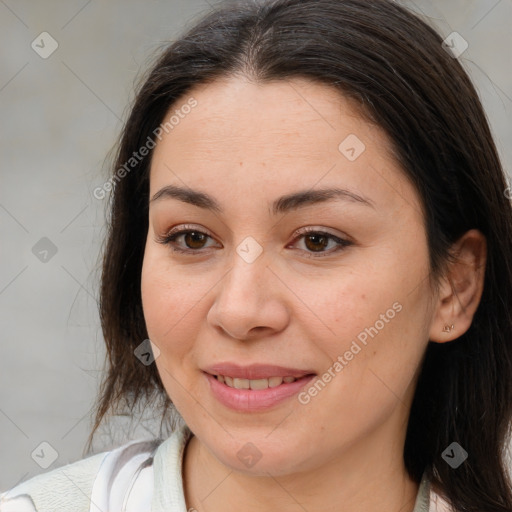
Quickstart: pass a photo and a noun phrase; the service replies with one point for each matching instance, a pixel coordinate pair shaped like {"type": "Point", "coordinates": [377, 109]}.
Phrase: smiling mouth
{"type": "Point", "coordinates": [256, 384]}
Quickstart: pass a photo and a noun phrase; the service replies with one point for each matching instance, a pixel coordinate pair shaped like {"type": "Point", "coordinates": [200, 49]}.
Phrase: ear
{"type": "Point", "coordinates": [461, 288]}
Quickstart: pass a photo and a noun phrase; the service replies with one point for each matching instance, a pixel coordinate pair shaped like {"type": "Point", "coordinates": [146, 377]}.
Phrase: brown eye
{"type": "Point", "coordinates": [190, 241]}
{"type": "Point", "coordinates": [316, 242]}
{"type": "Point", "coordinates": [194, 239]}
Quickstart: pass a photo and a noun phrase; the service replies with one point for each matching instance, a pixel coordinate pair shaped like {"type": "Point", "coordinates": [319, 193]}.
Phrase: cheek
{"type": "Point", "coordinates": [381, 326]}
{"type": "Point", "coordinates": [374, 315]}
{"type": "Point", "coordinates": [342, 306]}
{"type": "Point", "coordinates": [170, 299]}
{"type": "Point", "coordinates": [171, 303]}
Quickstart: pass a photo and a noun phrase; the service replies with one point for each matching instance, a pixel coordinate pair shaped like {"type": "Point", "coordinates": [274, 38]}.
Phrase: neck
{"type": "Point", "coordinates": [369, 476]}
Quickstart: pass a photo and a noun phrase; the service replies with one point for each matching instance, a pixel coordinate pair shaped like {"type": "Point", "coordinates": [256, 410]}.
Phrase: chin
{"type": "Point", "coordinates": [261, 456]}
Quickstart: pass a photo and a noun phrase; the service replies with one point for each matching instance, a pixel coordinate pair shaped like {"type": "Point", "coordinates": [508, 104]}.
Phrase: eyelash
{"type": "Point", "coordinates": [170, 238]}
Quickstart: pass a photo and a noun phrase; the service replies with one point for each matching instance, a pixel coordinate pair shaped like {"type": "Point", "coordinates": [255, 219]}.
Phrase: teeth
{"type": "Point", "coordinates": [274, 382]}
{"type": "Point", "coordinates": [236, 383]}
{"type": "Point", "coordinates": [258, 384]}
{"type": "Point", "coordinates": [241, 383]}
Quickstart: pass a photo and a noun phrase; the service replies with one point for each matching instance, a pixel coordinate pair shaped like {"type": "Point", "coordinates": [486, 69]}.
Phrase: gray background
{"type": "Point", "coordinates": [59, 117]}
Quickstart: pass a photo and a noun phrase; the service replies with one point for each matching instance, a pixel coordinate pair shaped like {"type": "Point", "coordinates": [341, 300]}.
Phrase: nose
{"type": "Point", "coordinates": [250, 301]}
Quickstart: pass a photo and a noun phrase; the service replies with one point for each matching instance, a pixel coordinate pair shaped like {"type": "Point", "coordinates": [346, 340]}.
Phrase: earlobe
{"type": "Point", "coordinates": [461, 289]}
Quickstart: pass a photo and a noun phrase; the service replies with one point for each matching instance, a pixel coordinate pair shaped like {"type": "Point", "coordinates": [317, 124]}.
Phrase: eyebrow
{"type": "Point", "coordinates": [282, 204]}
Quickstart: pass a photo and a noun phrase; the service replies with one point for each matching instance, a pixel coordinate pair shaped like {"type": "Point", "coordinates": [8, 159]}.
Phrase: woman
{"type": "Point", "coordinates": [309, 222]}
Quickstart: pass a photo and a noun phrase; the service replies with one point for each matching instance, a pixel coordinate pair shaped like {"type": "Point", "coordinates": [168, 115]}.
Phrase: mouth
{"type": "Point", "coordinates": [252, 395]}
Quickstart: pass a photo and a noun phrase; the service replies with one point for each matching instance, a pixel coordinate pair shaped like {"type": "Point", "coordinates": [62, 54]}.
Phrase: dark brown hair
{"type": "Point", "coordinates": [394, 66]}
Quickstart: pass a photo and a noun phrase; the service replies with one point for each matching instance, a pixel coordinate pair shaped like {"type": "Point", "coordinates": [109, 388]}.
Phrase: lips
{"type": "Point", "coordinates": [255, 387]}
{"type": "Point", "coordinates": [255, 400]}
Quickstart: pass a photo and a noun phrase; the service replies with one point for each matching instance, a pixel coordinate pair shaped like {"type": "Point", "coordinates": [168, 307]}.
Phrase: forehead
{"type": "Point", "coordinates": [276, 135]}
{"type": "Point", "coordinates": [306, 116]}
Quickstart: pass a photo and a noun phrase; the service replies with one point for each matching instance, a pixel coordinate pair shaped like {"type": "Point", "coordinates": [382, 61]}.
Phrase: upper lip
{"type": "Point", "coordinates": [255, 371]}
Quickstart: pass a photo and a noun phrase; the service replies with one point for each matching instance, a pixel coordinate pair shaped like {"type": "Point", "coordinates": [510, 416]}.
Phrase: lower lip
{"type": "Point", "coordinates": [248, 400]}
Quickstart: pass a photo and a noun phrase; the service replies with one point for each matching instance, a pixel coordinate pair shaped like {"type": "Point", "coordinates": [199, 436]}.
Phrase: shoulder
{"type": "Point", "coordinates": [70, 487]}
{"type": "Point", "coordinates": [56, 489]}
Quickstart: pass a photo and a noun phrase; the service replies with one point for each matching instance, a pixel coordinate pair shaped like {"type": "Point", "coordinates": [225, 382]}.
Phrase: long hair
{"type": "Point", "coordinates": [394, 67]}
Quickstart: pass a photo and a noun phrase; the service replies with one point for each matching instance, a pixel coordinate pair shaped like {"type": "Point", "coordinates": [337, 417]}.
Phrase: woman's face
{"type": "Point", "coordinates": [283, 278]}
